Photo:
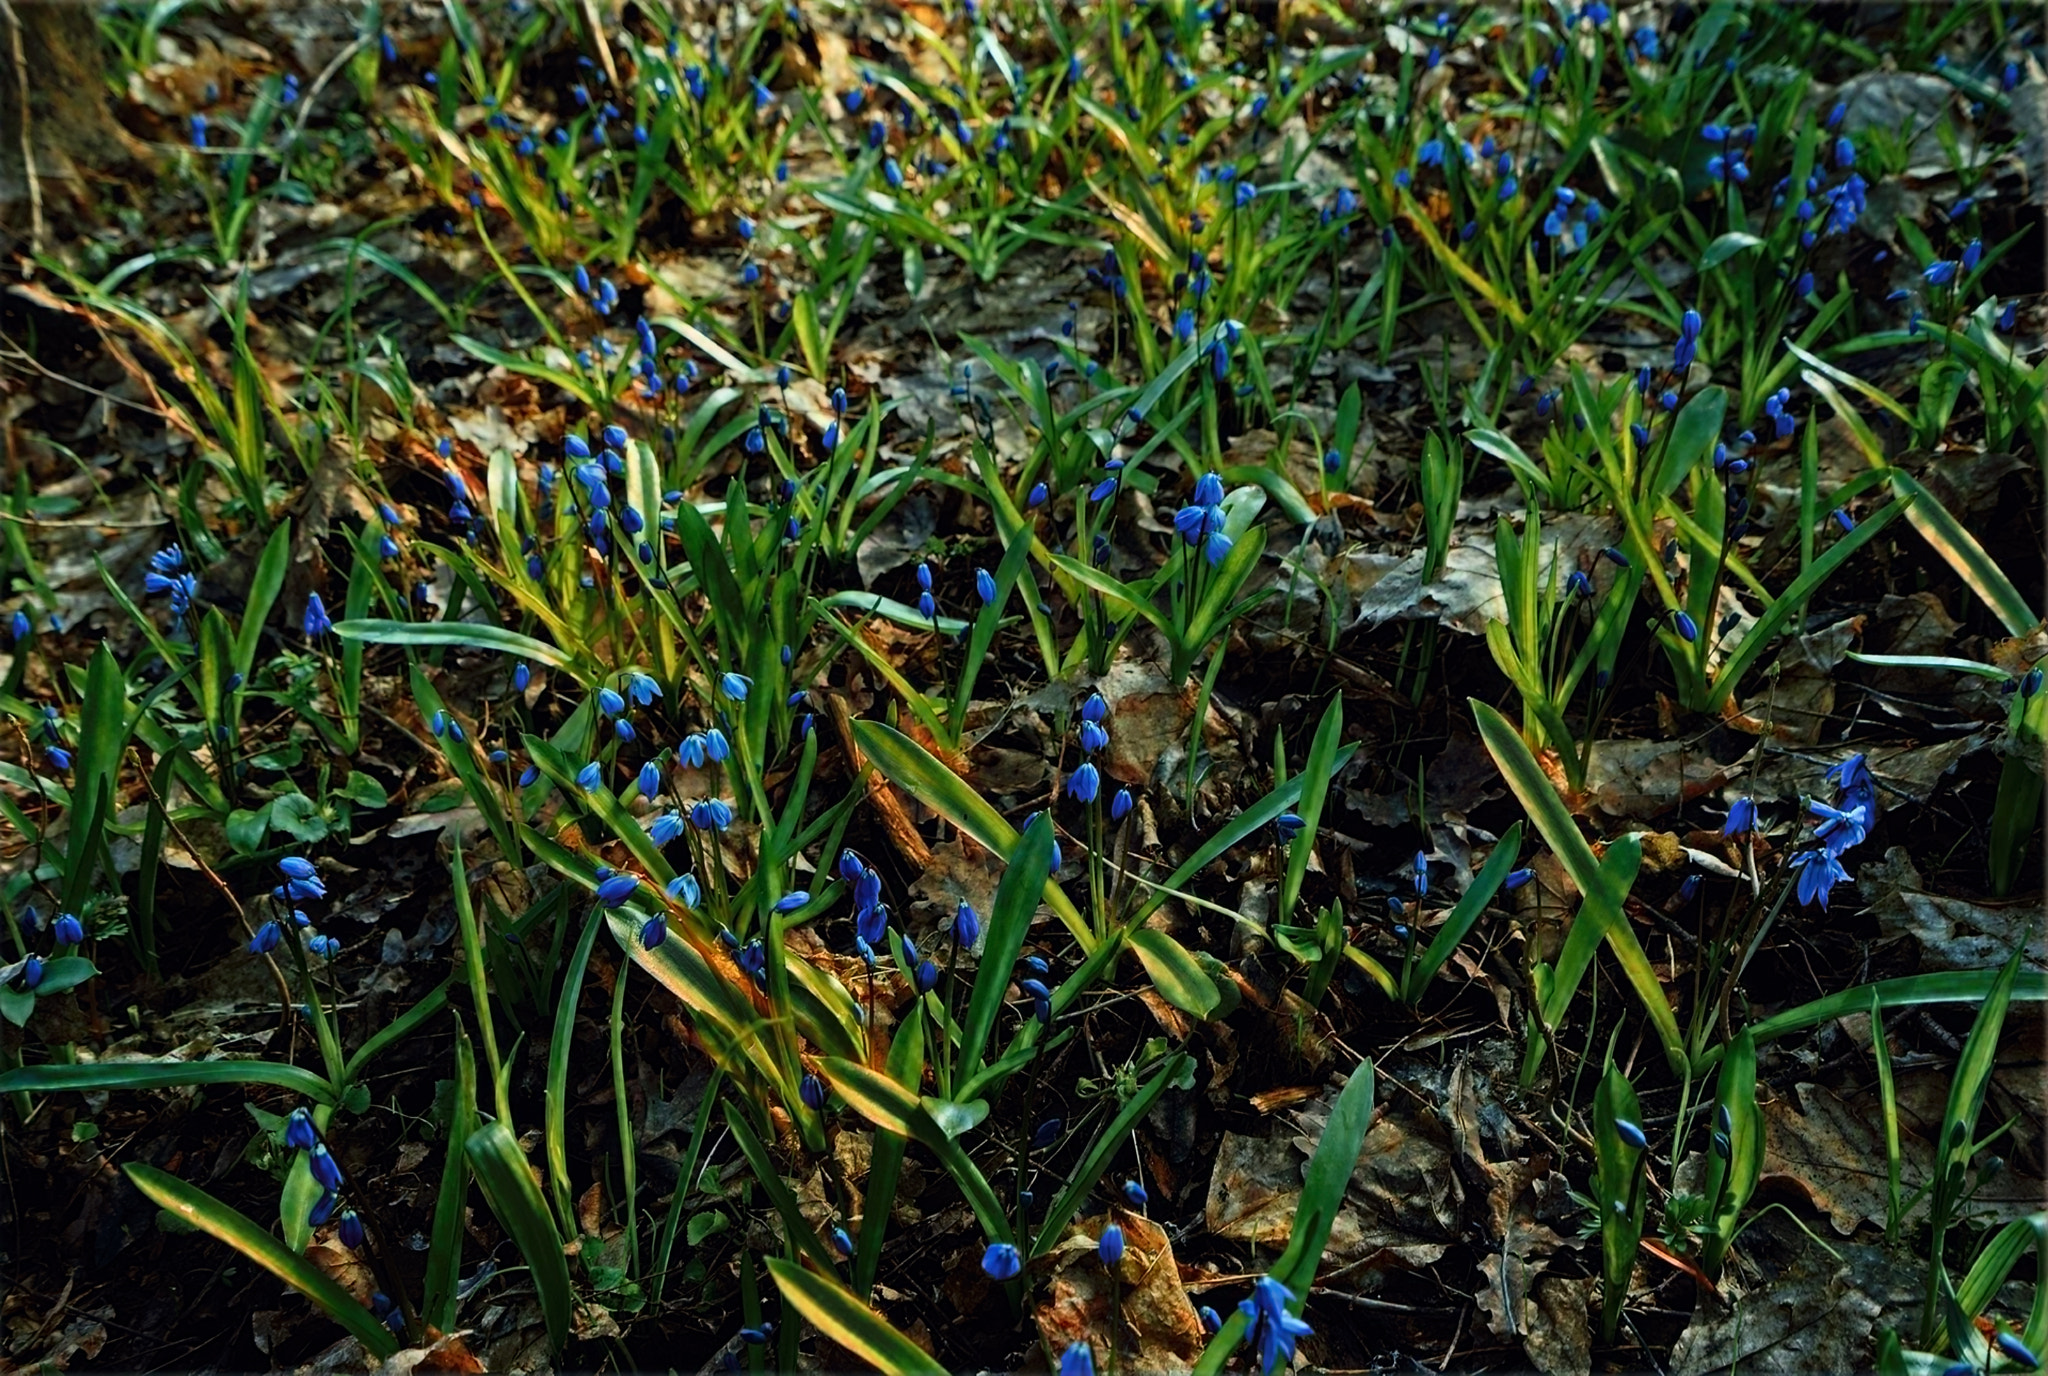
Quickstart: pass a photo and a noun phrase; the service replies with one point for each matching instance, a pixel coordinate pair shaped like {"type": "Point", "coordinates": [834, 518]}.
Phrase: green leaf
{"type": "Point", "coordinates": [1726, 247]}
{"type": "Point", "coordinates": [1315, 787]}
{"type": "Point", "coordinates": [910, 766]}
{"type": "Point", "coordinates": [1760, 635]}
{"type": "Point", "coordinates": [264, 587]}
{"type": "Point", "coordinates": [1908, 991]}
{"type": "Point", "coordinates": [1108, 1144]}
{"type": "Point", "coordinates": [298, 817]}
{"type": "Point", "coordinates": [832, 1308]}
{"type": "Point", "coordinates": [1322, 1195]}
{"type": "Point", "coordinates": [1259, 814]}
{"type": "Point", "coordinates": [444, 1253]}
{"type": "Point", "coordinates": [1009, 922]}
{"type": "Point", "coordinates": [460, 633]}
{"type": "Point", "coordinates": [1470, 905]}
{"type": "Point", "coordinates": [709, 1223]}
{"type": "Point", "coordinates": [65, 972]}
{"type": "Point", "coordinates": [507, 1179]}
{"type": "Point", "coordinates": [1604, 887]}
{"type": "Point", "coordinates": [890, 1106]}
{"type": "Point", "coordinates": [1954, 543]}
{"type": "Point", "coordinates": [194, 1207]}
{"type": "Point", "coordinates": [1174, 973]}
{"type": "Point", "coordinates": [103, 1076]}
{"type": "Point", "coordinates": [775, 1187]}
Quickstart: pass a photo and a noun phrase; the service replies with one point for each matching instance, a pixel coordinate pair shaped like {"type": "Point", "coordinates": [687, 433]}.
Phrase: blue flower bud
{"type": "Point", "coordinates": [1631, 1135]}
{"type": "Point", "coordinates": [322, 1164]}
{"type": "Point", "coordinates": [1111, 1247]}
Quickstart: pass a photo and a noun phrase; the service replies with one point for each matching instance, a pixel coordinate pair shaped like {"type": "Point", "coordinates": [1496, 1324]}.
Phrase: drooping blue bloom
{"type": "Point", "coordinates": [266, 939]}
{"type": "Point", "coordinates": [842, 1244]}
{"type": "Point", "coordinates": [654, 931]}
{"type": "Point", "coordinates": [1002, 1261]}
{"type": "Point", "coordinates": [1287, 826]}
{"type": "Point", "coordinates": [966, 926]}
{"type": "Point", "coordinates": [321, 1163]}
{"type": "Point", "coordinates": [1631, 1135]}
{"type": "Point", "coordinates": [713, 814]}
{"type": "Point", "coordinates": [1688, 630]}
{"type": "Point", "coordinates": [1085, 783]}
{"type": "Point", "coordinates": [1421, 874]}
{"type": "Point", "coordinates": [2015, 1350]}
{"type": "Point", "coordinates": [716, 747]}
{"type": "Point", "coordinates": [299, 1132]}
{"type": "Point", "coordinates": [1940, 273]}
{"type": "Point", "coordinates": [1819, 872]}
{"type": "Point", "coordinates": [1839, 828]}
{"type": "Point", "coordinates": [1120, 806]}
{"type": "Point", "coordinates": [323, 1207]}
{"type": "Point", "coordinates": [791, 901]}
{"type": "Point", "coordinates": [1041, 999]}
{"type": "Point", "coordinates": [1517, 878]}
{"type": "Point", "coordinates": [650, 779]}
{"type": "Point", "coordinates": [67, 930]}
{"type": "Point", "coordinates": [812, 1091]}
{"type": "Point", "coordinates": [1274, 1331]}
{"type": "Point", "coordinates": [641, 688]}
{"type": "Point", "coordinates": [1134, 1194]}
{"type": "Point", "coordinates": [985, 586]}
{"type": "Point", "coordinates": [350, 1230]}
{"type": "Point", "coordinates": [315, 623]}
{"type": "Point", "coordinates": [666, 827]}
{"type": "Point", "coordinates": [1078, 1360]}
{"type": "Point", "coordinates": [1093, 737]}
{"type": "Point", "coordinates": [590, 776]}
{"type": "Point", "coordinates": [614, 891]}
{"type": "Point", "coordinates": [609, 702]}
{"type": "Point", "coordinates": [735, 686]}
{"type": "Point", "coordinates": [1741, 817]}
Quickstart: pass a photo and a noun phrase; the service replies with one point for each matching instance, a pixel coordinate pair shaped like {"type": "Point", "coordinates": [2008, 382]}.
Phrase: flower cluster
{"type": "Point", "coordinates": [1200, 522]}
{"type": "Point", "coordinates": [1838, 826]}
{"type": "Point", "coordinates": [301, 882]}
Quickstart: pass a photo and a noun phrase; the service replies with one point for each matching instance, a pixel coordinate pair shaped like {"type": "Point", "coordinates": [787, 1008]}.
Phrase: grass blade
{"type": "Point", "coordinates": [444, 1254]}
{"type": "Point", "coordinates": [1009, 922]}
{"type": "Point", "coordinates": [1604, 888]}
{"type": "Point", "coordinates": [508, 1183]}
{"type": "Point", "coordinates": [108, 1075]}
{"type": "Point", "coordinates": [1473, 902]}
{"type": "Point", "coordinates": [845, 1320]}
{"type": "Point", "coordinates": [458, 633]}
{"type": "Point", "coordinates": [200, 1209]}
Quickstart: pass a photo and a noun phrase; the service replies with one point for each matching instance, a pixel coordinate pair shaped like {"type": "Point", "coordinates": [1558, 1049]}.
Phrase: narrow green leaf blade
{"type": "Point", "coordinates": [848, 1322]}
{"type": "Point", "coordinates": [207, 1214]}
{"type": "Point", "coordinates": [508, 1183]}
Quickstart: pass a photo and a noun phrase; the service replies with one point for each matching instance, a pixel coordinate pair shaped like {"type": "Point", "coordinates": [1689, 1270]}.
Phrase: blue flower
{"type": "Point", "coordinates": [1839, 828]}
{"type": "Point", "coordinates": [650, 779]}
{"type": "Point", "coordinates": [299, 1132]}
{"type": "Point", "coordinates": [641, 688]}
{"type": "Point", "coordinates": [1093, 737]}
{"type": "Point", "coordinates": [713, 814]}
{"type": "Point", "coordinates": [985, 586]}
{"type": "Point", "coordinates": [1288, 825]}
{"type": "Point", "coordinates": [1111, 1247]}
{"type": "Point", "coordinates": [1085, 783]}
{"type": "Point", "coordinates": [966, 926]}
{"type": "Point", "coordinates": [812, 1091]}
{"type": "Point", "coordinates": [685, 890]}
{"type": "Point", "coordinates": [315, 623]}
{"type": "Point", "coordinates": [1135, 1195]}
{"type": "Point", "coordinates": [1631, 1135]}
{"type": "Point", "coordinates": [590, 776]}
{"type": "Point", "coordinates": [1078, 1360]}
{"type": "Point", "coordinates": [791, 901]}
{"type": "Point", "coordinates": [1741, 817]}
{"type": "Point", "coordinates": [1819, 872]}
{"type": "Point", "coordinates": [735, 686]}
{"type": "Point", "coordinates": [842, 1244]}
{"type": "Point", "coordinates": [609, 702]}
{"type": "Point", "coordinates": [1421, 874]}
{"type": "Point", "coordinates": [654, 931]}
{"type": "Point", "coordinates": [1273, 1329]}
{"type": "Point", "coordinates": [1517, 878]}
{"type": "Point", "coordinates": [616, 890]}
{"type": "Point", "coordinates": [323, 1208]}
{"type": "Point", "coordinates": [350, 1230]}
{"type": "Point", "coordinates": [321, 1163]}
{"type": "Point", "coordinates": [263, 943]}
{"type": "Point", "coordinates": [1002, 1261]}
{"type": "Point", "coordinates": [1120, 806]}
{"type": "Point", "coordinates": [1940, 274]}
{"type": "Point", "coordinates": [68, 930]}
{"type": "Point", "coordinates": [1040, 996]}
